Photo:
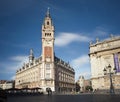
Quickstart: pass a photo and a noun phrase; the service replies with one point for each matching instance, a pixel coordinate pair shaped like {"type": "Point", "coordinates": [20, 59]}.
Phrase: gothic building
{"type": "Point", "coordinates": [47, 70]}
{"type": "Point", "coordinates": [105, 54]}
{"type": "Point", "coordinates": [83, 83]}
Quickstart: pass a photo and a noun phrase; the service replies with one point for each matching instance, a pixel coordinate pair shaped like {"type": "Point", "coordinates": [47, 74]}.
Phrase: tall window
{"type": "Point", "coordinates": [48, 34]}
{"type": "Point", "coordinates": [47, 23]}
{"type": "Point", "coordinates": [47, 75]}
{"type": "Point", "coordinates": [47, 66]}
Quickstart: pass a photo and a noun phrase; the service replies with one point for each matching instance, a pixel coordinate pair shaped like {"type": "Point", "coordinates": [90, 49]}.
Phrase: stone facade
{"type": "Point", "coordinates": [4, 84]}
{"type": "Point", "coordinates": [83, 83]}
{"type": "Point", "coordinates": [47, 70]}
{"type": "Point", "coordinates": [103, 53]}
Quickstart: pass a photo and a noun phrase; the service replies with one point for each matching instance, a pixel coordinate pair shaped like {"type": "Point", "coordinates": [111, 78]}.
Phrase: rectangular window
{"type": "Point", "coordinates": [47, 75]}
{"type": "Point", "coordinates": [47, 66]}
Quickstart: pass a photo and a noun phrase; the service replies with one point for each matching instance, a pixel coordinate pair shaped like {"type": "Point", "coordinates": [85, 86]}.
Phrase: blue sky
{"type": "Point", "coordinates": [77, 22]}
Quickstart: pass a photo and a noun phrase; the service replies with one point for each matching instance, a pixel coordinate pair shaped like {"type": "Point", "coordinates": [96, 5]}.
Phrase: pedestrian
{"type": "Point", "coordinates": [50, 92]}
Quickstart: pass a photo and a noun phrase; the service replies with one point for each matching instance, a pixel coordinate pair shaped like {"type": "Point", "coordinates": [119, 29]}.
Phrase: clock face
{"type": "Point", "coordinates": [49, 43]}
{"type": "Point", "coordinates": [48, 59]}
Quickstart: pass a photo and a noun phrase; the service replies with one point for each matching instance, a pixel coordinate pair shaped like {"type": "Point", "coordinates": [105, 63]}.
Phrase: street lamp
{"type": "Point", "coordinates": [108, 71]}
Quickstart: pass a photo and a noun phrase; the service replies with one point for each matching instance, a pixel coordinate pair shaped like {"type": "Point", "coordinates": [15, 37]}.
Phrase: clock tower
{"type": "Point", "coordinates": [48, 39]}
{"type": "Point", "coordinates": [48, 51]}
{"type": "Point", "coordinates": [47, 71]}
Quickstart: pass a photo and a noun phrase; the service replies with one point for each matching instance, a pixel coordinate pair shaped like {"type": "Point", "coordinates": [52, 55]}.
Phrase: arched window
{"type": "Point", "coordinates": [47, 22]}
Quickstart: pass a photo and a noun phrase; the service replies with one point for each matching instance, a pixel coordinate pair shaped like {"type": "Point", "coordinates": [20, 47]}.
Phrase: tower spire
{"type": "Point", "coordinates": [31, 52]}
{"type": "Point", "coordinates": [48, 12]}
{"type": "Point", "coordinates": [31, 56]}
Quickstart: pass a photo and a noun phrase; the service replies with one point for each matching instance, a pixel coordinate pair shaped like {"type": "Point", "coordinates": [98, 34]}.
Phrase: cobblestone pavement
{"type": "Point", "coordinates": [65, 98]}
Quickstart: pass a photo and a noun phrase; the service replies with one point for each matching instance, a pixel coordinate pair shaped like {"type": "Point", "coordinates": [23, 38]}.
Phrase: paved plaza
{"type": "Point", "coordinates": [65, 98]}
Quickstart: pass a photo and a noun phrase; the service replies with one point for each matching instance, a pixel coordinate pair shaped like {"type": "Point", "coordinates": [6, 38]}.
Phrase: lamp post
{"type": "Point", "coordinates": [108, 71]}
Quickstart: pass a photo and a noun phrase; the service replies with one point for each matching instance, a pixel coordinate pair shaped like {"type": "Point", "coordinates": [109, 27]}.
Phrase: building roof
{"type": "Point", "coordinates": [39, 61]}
{"type": "Point", "coordinates": [81, 77]}
{"type": "Point", "coordinates": [112, 38]}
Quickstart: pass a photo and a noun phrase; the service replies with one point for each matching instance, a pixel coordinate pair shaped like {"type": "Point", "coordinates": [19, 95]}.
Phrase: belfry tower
{"type": "Point", "coordinates": [47, 71]}
{"type": "Point", "coordinates": [48, 51]}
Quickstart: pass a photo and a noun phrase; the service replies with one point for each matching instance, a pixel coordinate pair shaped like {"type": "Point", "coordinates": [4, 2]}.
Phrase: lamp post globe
{"type": "Point", "coordinates": [107, 70]}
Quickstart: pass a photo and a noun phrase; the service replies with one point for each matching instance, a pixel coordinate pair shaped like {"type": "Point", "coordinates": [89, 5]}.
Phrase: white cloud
{"type": "Point", "coordinates": [80, 61]}
{"type": "Point", "coordinates": [81, 66]}
{"type": "Point", "coordinates": [86, 75]}
{"type": "Point", "coordinates": [18, 61]}
{"type": "Point", "coordinates": [13, 64]}
{"type": "Point", "coordinates": [66, 38]}
{"type": "Point", "coordinates": [99, 32]}
{"type": "Point", "coordinates": [13, 77]}
{"type": "Point", "coordinates": [20, 58]}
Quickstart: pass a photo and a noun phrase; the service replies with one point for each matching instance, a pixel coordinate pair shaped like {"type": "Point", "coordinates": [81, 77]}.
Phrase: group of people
{"type": "Point", "coordinates": [49, 91]}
